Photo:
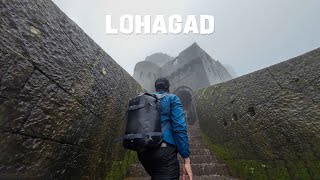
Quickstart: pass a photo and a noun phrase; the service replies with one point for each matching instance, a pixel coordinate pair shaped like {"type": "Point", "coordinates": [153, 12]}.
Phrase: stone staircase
{"type": "Point", "coordinates": [205, 165]}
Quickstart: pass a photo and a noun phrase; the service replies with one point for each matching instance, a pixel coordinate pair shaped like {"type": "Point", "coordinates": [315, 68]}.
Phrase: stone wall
{"type": "Point", "coordinates": [266, 124]}
{"type": "Point", "coordinates": [191, 75]}
{"type": "Point", "coordinates": [62, 98]}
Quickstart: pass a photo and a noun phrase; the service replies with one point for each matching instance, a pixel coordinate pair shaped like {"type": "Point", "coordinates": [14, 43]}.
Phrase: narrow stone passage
{"type": "Point", "coordinates": [205, 165]}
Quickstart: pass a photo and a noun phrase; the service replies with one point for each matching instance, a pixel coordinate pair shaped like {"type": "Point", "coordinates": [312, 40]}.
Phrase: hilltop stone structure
{"type": "Point", "coordinates": [62, 98]}
{"type": "Point", "coordinates": [192, 69]}
{"type": "Point", "coordinates": [266, 124]}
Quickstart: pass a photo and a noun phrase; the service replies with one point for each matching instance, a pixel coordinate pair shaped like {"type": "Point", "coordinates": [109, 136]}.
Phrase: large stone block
{"type": "Point", "coordinates": [36, 158]}
{"type": "Point", "coordinates": [62, 100]}
{"type": "Point", "coordinates": [15, 76]}
{"type": "Point", "coordinates": [59, 117]}
{"type": "Point", "coordinates": [298, 72]}
{"type": "Point", "coordinates": [19, 109]}
{"type": "Point", "coordinates": [66, 54]}
{"type": "Point", "coordinates": [313, 90]}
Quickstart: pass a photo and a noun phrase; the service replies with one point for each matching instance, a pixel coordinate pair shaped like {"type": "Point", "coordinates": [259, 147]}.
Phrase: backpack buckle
{"type": "Point", "coordinates": [163, 144]}
{"type": "Point", "coordinates": [147, 136]}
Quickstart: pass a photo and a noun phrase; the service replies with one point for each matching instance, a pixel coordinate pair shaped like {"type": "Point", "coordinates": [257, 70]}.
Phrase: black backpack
{"type": "Point", "coordinates": [143, 131]}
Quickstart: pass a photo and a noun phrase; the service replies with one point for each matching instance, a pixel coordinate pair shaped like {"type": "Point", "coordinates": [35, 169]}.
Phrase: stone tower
{"type": "Point", "coordinates": [192, 69]}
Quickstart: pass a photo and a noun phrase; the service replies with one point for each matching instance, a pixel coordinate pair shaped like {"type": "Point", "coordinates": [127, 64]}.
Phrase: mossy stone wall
{"type": "Point", "coordinates": [266, 124]}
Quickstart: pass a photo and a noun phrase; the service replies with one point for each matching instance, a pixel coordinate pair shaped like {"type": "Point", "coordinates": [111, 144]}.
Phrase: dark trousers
{"type": "Point", "coordinates": [161, 163]}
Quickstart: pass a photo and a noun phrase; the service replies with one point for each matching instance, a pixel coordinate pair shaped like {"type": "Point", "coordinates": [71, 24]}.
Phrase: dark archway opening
{"type": "Point", "coordinates": [185, 96]}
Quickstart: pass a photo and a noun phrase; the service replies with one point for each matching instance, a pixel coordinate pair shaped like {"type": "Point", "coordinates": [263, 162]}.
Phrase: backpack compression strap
{"type": "Point", "coordinates": [143, 135]}
{"type": "Point", "coordinates": [135, 107]}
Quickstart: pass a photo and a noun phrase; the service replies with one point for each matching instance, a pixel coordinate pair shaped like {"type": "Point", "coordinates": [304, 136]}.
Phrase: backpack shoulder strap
{"type": "Point", "coordinates": [160, 96]}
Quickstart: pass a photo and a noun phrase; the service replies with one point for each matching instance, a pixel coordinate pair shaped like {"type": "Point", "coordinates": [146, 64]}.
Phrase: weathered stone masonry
{"type": "Point", "coordinates": [62, 98]}
{"type": "Point", "coordinates": [267, 124]}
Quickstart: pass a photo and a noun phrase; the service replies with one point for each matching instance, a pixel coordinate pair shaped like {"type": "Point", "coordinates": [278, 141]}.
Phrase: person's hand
{"type": "Point", "coordinates": [187, 169]}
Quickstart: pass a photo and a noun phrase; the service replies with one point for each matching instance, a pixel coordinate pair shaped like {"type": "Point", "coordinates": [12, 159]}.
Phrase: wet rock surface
{"type": "Point", "coordinates": [62, 98]}
{"type": "Point", "coordinates": [268, 120]}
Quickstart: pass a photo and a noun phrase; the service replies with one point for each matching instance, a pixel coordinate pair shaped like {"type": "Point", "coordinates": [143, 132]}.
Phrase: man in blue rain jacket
{"type": "Point", "coordinates": [163, 163]}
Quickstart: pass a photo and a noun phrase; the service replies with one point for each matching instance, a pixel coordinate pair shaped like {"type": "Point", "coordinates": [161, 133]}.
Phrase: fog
{"type": "Point", "coordinates": [249, 34]}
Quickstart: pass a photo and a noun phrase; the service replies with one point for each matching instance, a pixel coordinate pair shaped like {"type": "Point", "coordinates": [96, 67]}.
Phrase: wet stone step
{"type": "Point", "coordinates": [193, 128]}
{"type": "Point", "coordinates": [137, 170]}
{"type": "Point", "coordinates": [199, 151]}
{"type": "Point", "coordinates": [209, 169]}
{"type": "Point", "coordinates": [190, 135]}
{"type": "Point", "coordinates": [193, 131]}
{"type": "Point", "coordinates": [199, 159]}
{"type": "Point", "coordinates": [194, 141]}
{"type": "Point", "coordinates": [197, 145]}
{"type": "Point", "coordinates": [193, 134]}
{"type": "Point", "coordinates": [197, 138]}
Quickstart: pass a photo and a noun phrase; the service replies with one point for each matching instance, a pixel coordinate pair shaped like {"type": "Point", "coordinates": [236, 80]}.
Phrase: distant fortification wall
{"type": "Point", "coordinates": [62, 98]}
{"type": "Point", "coordinates": [267, 124]}
{"type": "Point", "coordinates": [191, 75]}
{"type": "Point", "coordinates": [146, 73]}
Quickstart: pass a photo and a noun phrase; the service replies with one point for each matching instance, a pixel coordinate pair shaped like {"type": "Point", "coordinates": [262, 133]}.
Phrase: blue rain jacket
{"type": "Point", "coordinates": [176, 133]}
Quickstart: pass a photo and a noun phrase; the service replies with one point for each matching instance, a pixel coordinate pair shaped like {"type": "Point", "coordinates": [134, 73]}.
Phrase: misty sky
{"type": "Point", "coordinates": [249, 34]}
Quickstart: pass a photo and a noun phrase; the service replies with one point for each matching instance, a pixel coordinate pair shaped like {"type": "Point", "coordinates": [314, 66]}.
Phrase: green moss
{"type": "Point", "coordinates": [277, 170]}
{"type": "Point", "coordinates": [314, 169]}
{"type": "Point", "coordinates": [139, 88]}
{"type": "Point", "coordinates": [298, 170]}
{"type": "Point", "coordinates": [247, 169]}
{"type": "Point", "coordinates": [264, 169]}
{"type": "Point", "coordinates": [218, 150]}
{"type": "Point", "coordinates": [119, 168]}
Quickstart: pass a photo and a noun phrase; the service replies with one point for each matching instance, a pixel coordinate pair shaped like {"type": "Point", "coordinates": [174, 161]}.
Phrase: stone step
{"type": "Point", "coordinates": [137, 170]}
{"type": "Point", "coordinates": [192, 134]}
{"type": "Point", "coordinates": [190, 129]}
{"type": "Point", "coordinates": [209, 169]}
{"type": "Point", "coordinates": [194, 131]}
{"type": "Point", "coordinates": [195, 137]}
{"type": "Point", "coordinates": [194, 125]}
{"type": "Point", "coordinates": [194, 141]}
{"type": "Point", "coordinates": [199, 159]}
{"type": "Point", "coordinates": [200, 152]}
{"type": "Point", "coordinates": [197, 145]}
{"type": "Point", "coordinates": [209, 177]}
